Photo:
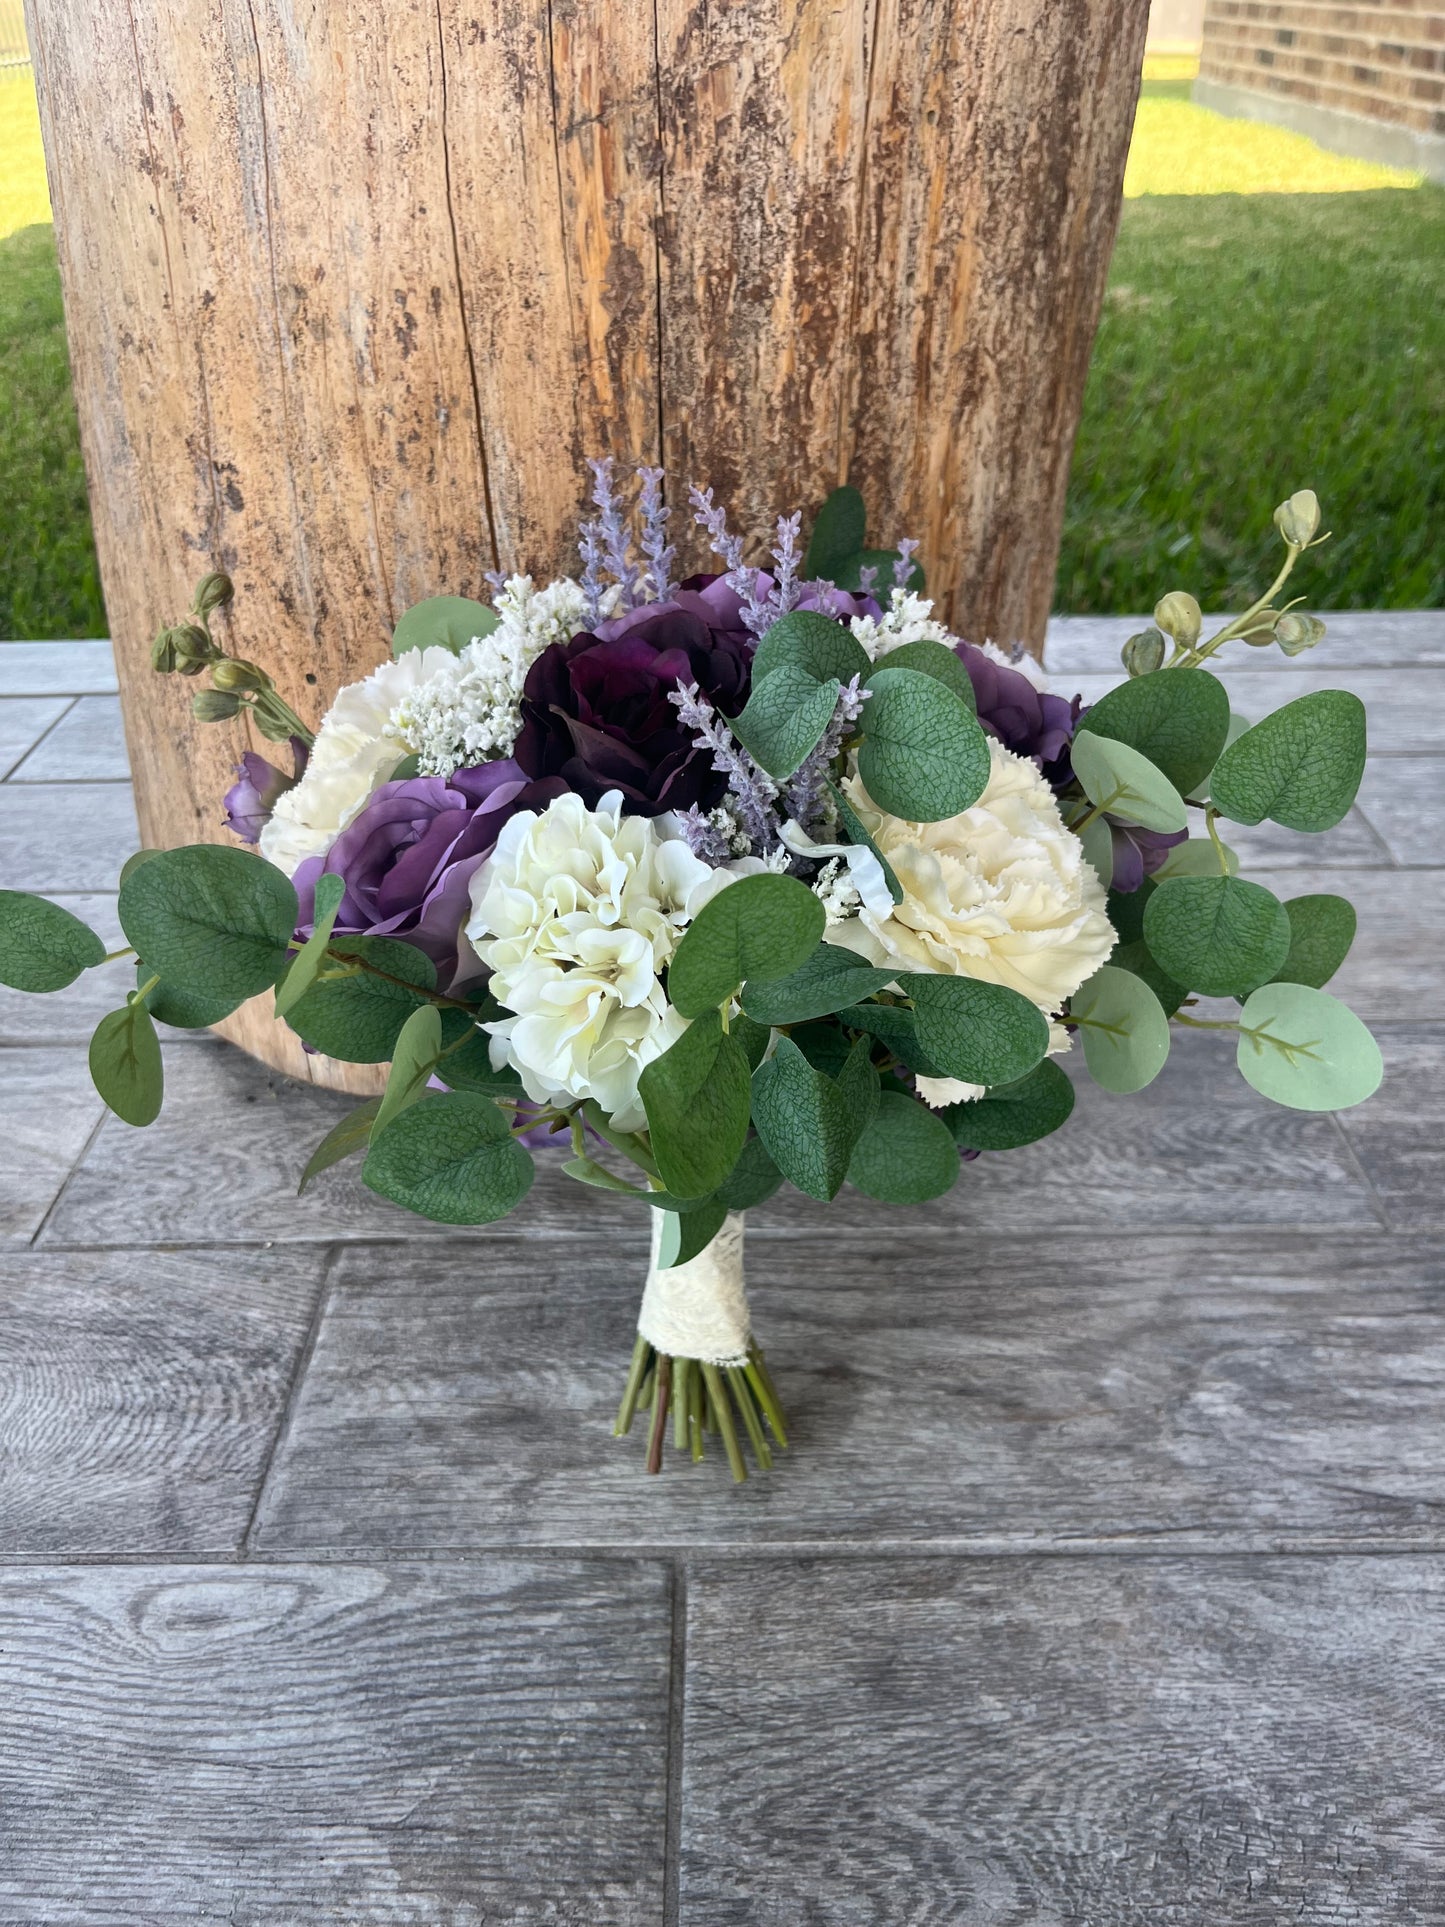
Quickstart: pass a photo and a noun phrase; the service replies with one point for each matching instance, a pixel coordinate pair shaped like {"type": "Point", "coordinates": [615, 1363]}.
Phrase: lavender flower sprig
{"type": "Point", "coordinates": [655, 545]}
{"type": "Point", "coordinates": [903, 566]}
{"type": "Point", "coordinates": [754, 791]}
{"type": "Point", "coordinates": [785, 555]}
{"type": "Point", "coordinates": [612, 529]}
{"type": "Point", "coordinates": [729, 548]}
{"type": "Point", "coordinates": [589, 541]}
{"type": "Point", "coordinates": [806, 797]}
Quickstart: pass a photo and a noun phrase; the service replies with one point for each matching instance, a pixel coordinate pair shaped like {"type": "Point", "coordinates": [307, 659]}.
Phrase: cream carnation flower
{"type": "Point", "coordinates": [1001, 893]}
{"type": "Point", "coordinates": [355, 750]}
{"type": "Point", "coordinates": [576, 914]}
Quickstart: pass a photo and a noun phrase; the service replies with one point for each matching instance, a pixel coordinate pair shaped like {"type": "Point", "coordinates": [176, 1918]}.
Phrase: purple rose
{"type": "Point", "coordinates": [249, 801]}
{"type": "Point", "coordinates": [408, 858]}
{"type": "Point", "coordinates": [1024, 719]}
{"type": "Point", "coordinates": [1138, 852]}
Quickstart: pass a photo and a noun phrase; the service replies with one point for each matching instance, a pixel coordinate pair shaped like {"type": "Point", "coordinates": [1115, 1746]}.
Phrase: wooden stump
{"type": "Point", "coordinates": [353, 289]}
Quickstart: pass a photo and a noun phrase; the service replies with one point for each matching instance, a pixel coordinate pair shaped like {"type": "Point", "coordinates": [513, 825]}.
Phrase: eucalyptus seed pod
{"type": "Point", "coordinates": [230, 673]}
{"type": "Point", "coordinates": [214, 706]}
{"type": "Point", "coordinates": [213, 591]}
{"type": "Point", "coordinates": [1298, 518]}
{"type": "Point", "coordinates": [1142, 654]}
{"type": "Point", "coordinates": [163, 652]}
{"type": "Point", "coordinates": [1179, 616]}
{"type": "Point", "coordinates": [1295, 633]}
{"type": "Point", "coordinates": [194, 648]}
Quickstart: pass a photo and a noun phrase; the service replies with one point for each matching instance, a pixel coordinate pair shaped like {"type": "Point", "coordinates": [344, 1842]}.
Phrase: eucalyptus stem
{"type": "Point", "coordinates": [641, 1356]}
{"type": "Point", "coordinates": [723, 1419]}
{"type": "Point", "coordinates": [112, 956]}
{"type": "Point", "coordinates": [1240, 626]}
{"type": "Point", "coordinates": [1211, 817]}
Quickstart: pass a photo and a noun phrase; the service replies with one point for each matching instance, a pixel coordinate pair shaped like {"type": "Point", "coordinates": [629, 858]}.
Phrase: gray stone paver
{"type": "Point", "coordinates": [1191, 1347]}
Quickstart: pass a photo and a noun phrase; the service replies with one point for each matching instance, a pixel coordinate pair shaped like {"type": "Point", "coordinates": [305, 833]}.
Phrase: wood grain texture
{"type": "Point", "coordinates": [57, 668]}
{"type": "Point", "coordinates": [1357, 638]}
{"type": "Point", "coordinates": [50, 1111]}
{"type": "Point", "coordinates": [66, 837]}
{"type": "Point", "coordinates": [1009, 1743]}
{"type": "Point", "coordinates": [457, 1744]}
{"type": "Point", "coordinates": [141, 1393]}
{"type": "Point", "coordinates": [1398, 1133]}
{"type": "Point", "coordinates": [1218, 1391]}
{"type": "Point", "coordinates": [1403, 797]}
{"type": "Point", "coordinates": [24, 720]}
{"type": "Point", "coordinates": [86, 746]}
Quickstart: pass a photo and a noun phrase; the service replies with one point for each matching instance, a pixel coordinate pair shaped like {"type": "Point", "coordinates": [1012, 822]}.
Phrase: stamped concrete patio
{"type": "Point", "coordinates": [1104, 1583]}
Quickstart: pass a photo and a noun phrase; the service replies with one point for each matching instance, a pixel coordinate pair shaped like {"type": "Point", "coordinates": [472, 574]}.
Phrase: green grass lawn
{"type": "Point", "coordinates": [1274, 320]}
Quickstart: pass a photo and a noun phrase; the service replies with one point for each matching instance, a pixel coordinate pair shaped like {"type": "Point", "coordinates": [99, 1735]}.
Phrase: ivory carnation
{"type": "Point", "coordinates": [576, 913]}
{"type": "Point", "coordinates": [1001, 893]}
{"type": "Point", "coordinates": [354, 751]}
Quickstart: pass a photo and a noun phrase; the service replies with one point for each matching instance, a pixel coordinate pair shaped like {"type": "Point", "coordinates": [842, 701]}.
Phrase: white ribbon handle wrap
{"type": "Point", "coordinates": [699, 1309]}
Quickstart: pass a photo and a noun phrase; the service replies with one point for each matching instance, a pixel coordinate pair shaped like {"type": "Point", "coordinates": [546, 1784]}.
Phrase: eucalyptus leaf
{"type": "Point", "coordinates": [905, 1155]}
{"type": "Point", "coordinates": [1012, 1115]}
{"type": "Point", "coordinates": [838, 533]}
{"type": "Point", "coordinates": [1119, 780]}
{"type": "Point", "coordinates": [443, 622]}
{"type": "Point", "coordinates": [466, 1060]}
{"type": "Point", "coordinates": [42, 946]}
{"type": "Point", "coordinates": [1197, 858]}
{"type": "Point", "coordinates": [785, 717]}
{"type": "Point", "coordinates": [301, 972]}
{"type": "Point", "coordinates": [1303, 1048]}
{"type": "Point", "coordinates": [1237, 726]}
{"type": "Point", "coordinates": [125, 1063]}
{"type": "Point", "coordinates": [413, 1058]}
{"type": "Point", "coordinates": [1321, 930]}
{"type": "Point", "coordinates": [450, 1158]}
{"type": "Point", "coordinates": [585, 1170]}
{"type": "Point", "coordinates": [210, 920]}
{"type": "Point", "coordinates": [687, 1233]}
{"type": "Point", "coordinates": [133, 863]}
{"type": "Point", "coordinates": [806, 1126]}
{"type": "Point", "coordinates": [804, 639]}
{"type": "Point", "coordinates": [696, 1096]}
{"type": "Point", "coordinates": [828, 980]}
{"type": "Point", "coordinates": [982, 1033]}
{"type": "Point", "coordinates": [1140, 959]}
{"type": "Point", "coordinates": [752, 1039]}
{"type": "Point", "coordinates": [1098, 841]}
{"type": "Point", "coordinates": [1218, 935]}
{"type": "Point", "coordinates": [1124, 1031]}
{"type": "Point", "coordinates": [1177, 719]}
{"type": "Point", "coordinates": [352, 1134]}
{"type": "Point", "coordinates": [934, 659]}
{"type": "Point", "coordinates": [182, 1009]}
{"type": "Point", "coordinates": [753, 931]}
{"type": "Point", "coordinates": [1126, 910]}
{"type": "Point", "coordinates": [1301, 766]}
{"type": "Point", "coordinates": [895, 1027]}
{"type": "Point", "coordinates": [923, 756]}
{"type": "Point", "coordinates": [354, 1013]}
{"type": "Point", "coordinates": [850, 825]}
{"type": "Point", "coordinates": [752, 1180]}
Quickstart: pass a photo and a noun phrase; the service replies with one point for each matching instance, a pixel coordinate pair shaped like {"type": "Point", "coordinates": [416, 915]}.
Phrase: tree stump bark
{"type": "Point", "coordinates": [353, 289]}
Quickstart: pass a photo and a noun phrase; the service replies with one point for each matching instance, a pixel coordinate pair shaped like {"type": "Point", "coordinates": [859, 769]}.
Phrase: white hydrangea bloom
{"type": "Point", "coordinates": [836, 891]}
{"type": "Point", "coordinates": [470, 714]}
{"type": "Point", "coordinates": [908, 618]}
{"type": "Point", "coordinates": [1001, 892]}
{"type": "Point", "coordinates": [355, 750]}
{"type": "Point", "coordinates": [576, 913]}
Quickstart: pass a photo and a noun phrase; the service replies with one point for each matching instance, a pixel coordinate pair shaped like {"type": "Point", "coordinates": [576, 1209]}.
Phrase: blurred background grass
{"type": "Point", "coordinates": [1273, 321]}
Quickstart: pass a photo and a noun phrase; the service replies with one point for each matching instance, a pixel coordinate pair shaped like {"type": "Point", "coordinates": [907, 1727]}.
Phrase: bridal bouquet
{"type": "Point", "coordinates": [753, 879]}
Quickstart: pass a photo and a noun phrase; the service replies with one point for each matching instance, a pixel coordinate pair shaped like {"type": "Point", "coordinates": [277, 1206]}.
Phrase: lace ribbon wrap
{"type": "Point", "coordinates": [700, 1309]}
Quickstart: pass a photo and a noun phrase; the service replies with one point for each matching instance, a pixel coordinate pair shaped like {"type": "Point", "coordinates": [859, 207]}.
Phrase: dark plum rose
{"type": "Point", "coordinates": [1138, 852]}
{"type": "Point", "coordinates": [249, 801]}
{"type": "Point", "coordinates": [595, 710]}
{"type": "Point", "coordinates": [1024, 719]}
{"type": "Point", "coordinates": [408, 858]}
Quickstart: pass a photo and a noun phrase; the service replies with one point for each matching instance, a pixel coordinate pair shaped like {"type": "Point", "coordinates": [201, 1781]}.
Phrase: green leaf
{"type": "Point", "coordinates": [1301, 1047]}
{"type": "Point", "coordinates": [686, 1233]}
{"type": "Point", "coordinates": [857, 1084]}
{"type": "Point", "coordinates": [1098, 841]}
{"type": "Point", "coordinates": [350, 1014]}
{"type": "Point", "coordinates": [934, 659]}
{"type": "Point", "coordinates": [906, 1155]}
{"type": "Point", "coordinates": [1196, 858]}
{"type": "Point", "coordinates": [443, 622]}
{"type": "Point", "coordinates": [803, 639]}
{"type": "Point", "coordinates": [133, 863]}
{"type": "Point", "coordinates": [1321, 930]}
{"type": "Point", "coordinates": [982, 1033]}
{"type": "Point", "coordinates": [413, 1059]}
{"type": "Point", "coordinates": [752, 931]}
{"type": "Point", "coordinates": [1118, 779]}
{"type": "Point", "coordinates": [825, 1046]}
{"type": "Point", "coordinates": [751, 1038]}
{"type": "Point", "coordinates": [1140, 959]}
{"type": "Point", "coordinates": [1126, 910]}
{"type": "Point", "coordinates": [183, 1009]}
{"type": "Point", "coordinates": [785, 717]}
{"type": "Point", "coordinates": [450, 1158]}
{"type": "Point", "coordinates": [43, 947]}
{"type": "Point", "coordinates": [467, 1066]}
{"type": "Point", "coordinates": [301, 972]}
{"type": "Point", "coordinates": [838, 532]}
{"type": "Point", "coordinates": [696, 1099]}
{"type": "Point", "coordinates": [210, 920]}
{"type": "Point", "coordinates": [1301, 766]}
{"type": "Point", "coordinates": [1178, 719]}
{"type": "Point", "coordinates": [1125, 1034]}
{"type": "Point", "coordinates": [829, 980]}
{"type": "Point", "coordinates": [585, 1170]}
{"type": "Point", "coordinates": [895, 1027]}
{"type": "Point", "coordinates": [1012, 1115]}
{"type": "Point", "coordinates": [804, 1122]}
{"type": "Point", "coordinates": [752, 1180]}
{"type": "Point", "coordinates": [923, 756]}
{"type": "Point", "coordinates": [850, 825]}
{"type": "Point", "coordinates": [1237, 726]}
{"type": "Point", "coordinates": [1218, 935]}
{"type": "Point", "coordinates": [351, 1134]}
{"type": "Point", "coordinates": [125, 1063]}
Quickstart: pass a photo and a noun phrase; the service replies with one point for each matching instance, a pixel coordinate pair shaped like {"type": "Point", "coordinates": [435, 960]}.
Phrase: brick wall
{"type": "Point", "coordinates": [1365, 80]}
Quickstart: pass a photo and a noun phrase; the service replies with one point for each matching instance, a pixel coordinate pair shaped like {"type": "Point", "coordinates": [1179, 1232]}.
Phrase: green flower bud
{"type": "Point", "coordinates": [1295, 633]}
{"type": "Point", "coordinates": [232, 674]}
{"type": "Point", "coordinates": [214, 706]}
{"type": "Point", "coordinates": [1142, 654]}
{"type": "Point", "coordinates": [193, 648]}
{"type": "Point", "coordinates": [212, 592]}
{"type": "Point", "coordinates": [1298, 518]}
{"type": "Point", "coordinates": [163, 652]}
{"type": "Point", "coordinates": [1178, 615]}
